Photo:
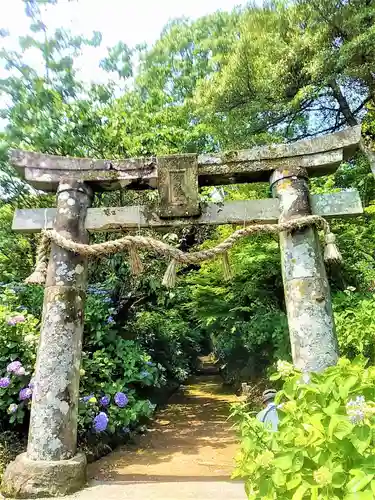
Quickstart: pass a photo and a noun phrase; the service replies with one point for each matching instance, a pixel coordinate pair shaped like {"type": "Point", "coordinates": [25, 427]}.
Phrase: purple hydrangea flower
{"type": "Point", "coordinates": [14, 366]}
{"type": "Point", "coordinates": [121, 399]}
{"type": "Point", "coordinates": [105, 400]}
{"type": "Point", "coordinates": [101, 422]}
{"type": "Point", "coordinates": [25, 393]}
{"type": "Point", "coordinates": [4, 382]}
{"type": "Point", "coordinates": [149, 363]}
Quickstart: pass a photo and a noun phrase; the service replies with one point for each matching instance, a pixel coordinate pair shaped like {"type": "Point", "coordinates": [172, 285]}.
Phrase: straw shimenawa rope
{"type": "Point", "coordinates": [131, 243]}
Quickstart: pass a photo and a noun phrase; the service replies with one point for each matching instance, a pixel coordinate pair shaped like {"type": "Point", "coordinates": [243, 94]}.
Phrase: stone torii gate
{"type": "Point", "coordinates": [51, 465]}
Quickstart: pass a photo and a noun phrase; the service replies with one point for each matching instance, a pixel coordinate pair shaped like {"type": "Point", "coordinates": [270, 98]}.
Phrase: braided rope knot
{"type": "Point", "coordinates": [132, 243]}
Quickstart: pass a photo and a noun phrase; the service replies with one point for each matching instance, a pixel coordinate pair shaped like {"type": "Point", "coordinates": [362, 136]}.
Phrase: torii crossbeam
{"type": "Point", "coordinates": [51, 465]}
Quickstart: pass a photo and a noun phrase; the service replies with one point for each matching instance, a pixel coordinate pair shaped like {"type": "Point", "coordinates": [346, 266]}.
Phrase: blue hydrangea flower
{"type": "Point", "coordinates": [4, 382]}
{"type": "Point", "coordinates": [144, 374]}
{"type": "Point", "coordinates": [357, 417]}
{"type": "Point", "coordinates": [101, 422]}
{"type": "Point", "coordinates": [25, 393]}
{"type": "Point", "coordinates": [105, 400]}
{"type": "Point", "coordinates": [110, 320]}
{"type": "Point", "coordinates": [149, 363]}
{"type": "Point", "coordinates": [356, 410]}
{"type": "Point", "coordinates": [121, 399]}
{"type": "Point", "coordinates": [14, 366]}
{"type": "Point", "coordinates": [86, 399]}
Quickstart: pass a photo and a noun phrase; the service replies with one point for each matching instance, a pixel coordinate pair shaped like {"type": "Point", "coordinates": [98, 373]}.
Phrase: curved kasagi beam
{"type": "Point", "coordinates": [320, 156]}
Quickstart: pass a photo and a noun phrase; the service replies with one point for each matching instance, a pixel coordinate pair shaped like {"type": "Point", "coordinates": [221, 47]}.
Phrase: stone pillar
{"type": "Point", "coordinates": [51, 466]}
{"type": "Point", "coordinates": [307, 294]}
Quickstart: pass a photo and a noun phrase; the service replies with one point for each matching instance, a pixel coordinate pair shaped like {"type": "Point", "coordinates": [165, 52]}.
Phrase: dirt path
{"type": "Point", "coordinates": [191, 439]}
{"type": "Point", "coordinates": [188, 452]}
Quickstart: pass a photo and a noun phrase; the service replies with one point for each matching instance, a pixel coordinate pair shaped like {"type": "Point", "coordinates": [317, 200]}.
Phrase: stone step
{"type": "Point", "coordinates": [179, 490]}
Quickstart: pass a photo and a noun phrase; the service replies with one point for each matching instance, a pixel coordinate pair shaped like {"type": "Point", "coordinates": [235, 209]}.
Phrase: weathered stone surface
{"type": "Point", "coordinates": [53, 421]}
{"type": "Point", "coordinates": [320, 156]}
{"type": "Point", "coordinates": [25, 478]}
{"type": "Point", "coordinates": [341, 204]}
{"type": "Point", "coordinates": [178, 186]}
{"type": "Point", "coordinates": [307, 294]}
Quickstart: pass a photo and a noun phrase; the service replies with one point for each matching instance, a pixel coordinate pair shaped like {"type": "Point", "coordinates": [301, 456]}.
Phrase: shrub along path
{"type": "Point", "coordinates": [187, 452]}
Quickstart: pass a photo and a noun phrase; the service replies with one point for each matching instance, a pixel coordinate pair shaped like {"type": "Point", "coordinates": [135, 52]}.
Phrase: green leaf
{"type": "Point", "coordinates": [361, 495]}
{"type": "Point", "coordinates": [298, 462]}
{"type": "Point", "coordinates": [314, 493]}
{"type": "Point", "coordinates": [338, 479]}
{"type": "Point", "coordinates": [346, 384]}
{"type": "Point", "coordinates": [298, 495]}
{"type": "Point", "coordinates": [359, 482]}
{"type": "Point", "coordinates": [339, 427]}
{"type": "Point", "coordinates": [294, 482]}
{"type": "Point", "coordinates": [332, 408]}
{"type": "Point", "coordinates": [361, 437]}
{"type": "Point", "coordinates": [284, 462]}
{"type": "Point", "coordinates": [278, 478]}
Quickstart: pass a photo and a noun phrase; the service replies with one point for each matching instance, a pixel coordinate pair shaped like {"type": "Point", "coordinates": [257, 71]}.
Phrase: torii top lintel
{"type": "Point", "coordinates": [320, 156]}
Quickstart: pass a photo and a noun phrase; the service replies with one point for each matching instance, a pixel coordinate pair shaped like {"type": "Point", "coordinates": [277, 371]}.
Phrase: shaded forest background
{"type": "Point", "coordinates": [286, 71]}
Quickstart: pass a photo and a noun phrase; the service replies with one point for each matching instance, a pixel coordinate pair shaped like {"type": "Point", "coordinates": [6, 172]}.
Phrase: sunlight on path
{"type": "Point", "coordinates": [187, 454]}
{"type": "Point", "coordinates": [191, 439]}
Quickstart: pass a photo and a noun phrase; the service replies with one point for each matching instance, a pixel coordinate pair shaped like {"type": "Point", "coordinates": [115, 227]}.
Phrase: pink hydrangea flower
{"type": "Point", "coordinates": [14, 366]}
{"type": "Point", "coordinates": [20, 318]}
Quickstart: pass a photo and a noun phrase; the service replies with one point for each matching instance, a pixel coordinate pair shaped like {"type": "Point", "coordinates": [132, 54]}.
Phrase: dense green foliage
{"type": "Point", "coordinates": [324, 446]}
{"type": "Point", "coordinates": [284, 71]}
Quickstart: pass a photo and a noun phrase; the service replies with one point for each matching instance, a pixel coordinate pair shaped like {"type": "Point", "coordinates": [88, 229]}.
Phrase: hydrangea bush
{"type": "Point", "coordinates": [113, 414]}
{"type": "Point", "coordinates": [19, 334]}
{"type": "Point", "coordinates": [324, 448]}
{"type": "Point", "coordinates": [122, 361]}
{"type": "Point", "coordinates": [113, 375]}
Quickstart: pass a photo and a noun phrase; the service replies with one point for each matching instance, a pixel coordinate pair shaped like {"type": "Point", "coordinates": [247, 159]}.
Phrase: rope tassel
{"type": "Point", "coordinates": [169, 279]}
{"type": "Point", "coordinates": [226, 266]}
{"type": "Point", "coordinates": [331, 252]}
{"type": "Point", "coordinates": [135, 262]}
{"type": "Point", "coordinates": [39, 276]}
